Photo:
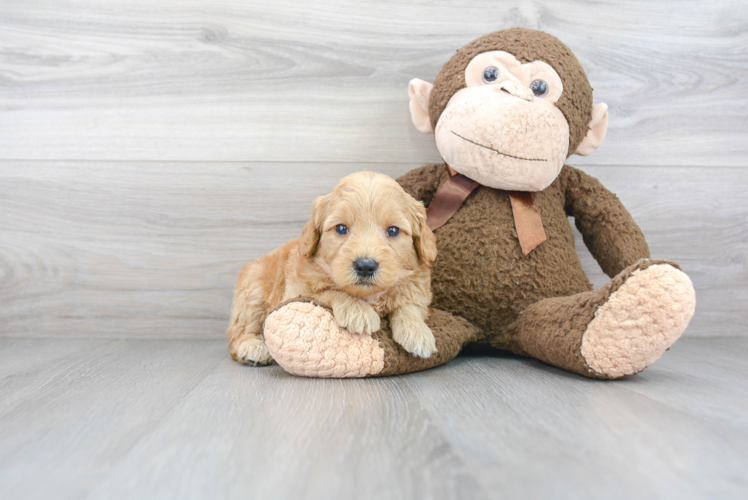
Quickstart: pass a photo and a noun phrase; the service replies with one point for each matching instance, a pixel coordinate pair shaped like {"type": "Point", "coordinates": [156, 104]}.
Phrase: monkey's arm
{"type": "Point", "coordinates": [609, 231]}
{"type": "Point", "coordinates": [422, 182]}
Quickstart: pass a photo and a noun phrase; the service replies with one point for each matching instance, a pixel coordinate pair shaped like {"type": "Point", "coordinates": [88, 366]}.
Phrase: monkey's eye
{"type": "Point", "coordinates": [539, 88]}
{"type": "Point", "coordinates": [490, 74]}
{"type": "Point", "coordinates": [393, 231]}
{"type": "Point", "coordinates": [341, 229]}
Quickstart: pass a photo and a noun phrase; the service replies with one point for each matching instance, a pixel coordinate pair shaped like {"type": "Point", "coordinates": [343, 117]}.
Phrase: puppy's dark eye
{"type": "Point", "coordinates": [539, 88]}
{"type": "Point", "coordinates": [490, 74]}
{"type": "Point", "coordinates": [341, 229]}
{"type": "Point", "coordinates": [393, 231]}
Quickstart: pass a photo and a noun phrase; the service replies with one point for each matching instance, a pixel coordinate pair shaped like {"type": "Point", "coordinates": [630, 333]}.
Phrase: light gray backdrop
{"type": "Point", "coordinates": [149, 149]}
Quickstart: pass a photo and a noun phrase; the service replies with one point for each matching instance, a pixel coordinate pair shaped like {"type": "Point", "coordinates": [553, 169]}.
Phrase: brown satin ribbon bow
{"type": "Point", "coordinates": [451, 195]}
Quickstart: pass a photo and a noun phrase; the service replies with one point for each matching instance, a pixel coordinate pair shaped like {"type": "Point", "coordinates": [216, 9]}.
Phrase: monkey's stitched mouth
{"type": "Point", "coordinates": [496, 150]}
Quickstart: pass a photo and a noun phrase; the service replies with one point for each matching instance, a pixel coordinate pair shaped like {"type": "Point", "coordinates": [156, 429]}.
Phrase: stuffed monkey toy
{"type": "Point", "coordinates": [506, 111]}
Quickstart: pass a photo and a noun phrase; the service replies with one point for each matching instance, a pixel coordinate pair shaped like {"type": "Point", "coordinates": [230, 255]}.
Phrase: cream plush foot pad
{"type": "Point", "coordinates": [305, 340]}
{"type": "Point", "coordinates": [639, 322]}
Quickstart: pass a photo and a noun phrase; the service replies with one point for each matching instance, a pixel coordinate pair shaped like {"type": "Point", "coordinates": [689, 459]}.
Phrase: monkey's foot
{"type": "Point", "coordinates": [612, 332]}
{"type": "Point", "coordinates": [305, 340]}
{"type": "Point", "coordinates": [639, 321]}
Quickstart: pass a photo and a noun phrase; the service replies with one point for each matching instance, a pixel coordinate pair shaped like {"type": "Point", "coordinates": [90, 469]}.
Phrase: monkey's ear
{"type": "Point", "coordinates": [596, 133]}
{"type": "Point", "coordinates": [420, 92]}
{"type": "Point", "coordinates": [311, 233]}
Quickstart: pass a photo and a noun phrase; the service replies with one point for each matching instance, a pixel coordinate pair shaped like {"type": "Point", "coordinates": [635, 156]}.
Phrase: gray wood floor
{"type": "Point", "coordinates": [180, 419]}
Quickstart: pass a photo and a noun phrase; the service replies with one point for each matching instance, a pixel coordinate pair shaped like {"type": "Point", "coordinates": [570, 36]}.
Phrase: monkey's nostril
{"type": "Point", "coordinates": [365, 267]}
{"type": "Point", "coordinates": [515, 90]}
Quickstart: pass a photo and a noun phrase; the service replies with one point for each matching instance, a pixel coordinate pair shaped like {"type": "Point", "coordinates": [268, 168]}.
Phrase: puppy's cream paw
{"type": "Point", "coordinates": [251, 351]}
{"type": "Point", "coordinates": [415, 337]}
{"type": "Point", "coordinates": [357, 317]}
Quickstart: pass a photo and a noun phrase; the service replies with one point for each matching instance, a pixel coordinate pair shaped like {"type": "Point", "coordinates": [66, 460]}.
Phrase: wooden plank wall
{"type": "Point", "coordinates": [149, 149]}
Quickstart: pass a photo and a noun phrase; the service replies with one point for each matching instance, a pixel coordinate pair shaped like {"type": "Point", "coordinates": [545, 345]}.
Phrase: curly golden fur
{"type": "Point", "coordinates": [322, 264]}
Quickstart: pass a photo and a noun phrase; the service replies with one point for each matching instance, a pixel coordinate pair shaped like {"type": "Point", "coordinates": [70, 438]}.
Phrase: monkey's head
{"type": "Point", "coordinates": [508, 108]}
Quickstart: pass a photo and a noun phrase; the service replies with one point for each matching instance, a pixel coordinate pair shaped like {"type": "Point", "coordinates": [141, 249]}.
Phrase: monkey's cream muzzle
{"type": "Point", "coordinates": [503, 137]}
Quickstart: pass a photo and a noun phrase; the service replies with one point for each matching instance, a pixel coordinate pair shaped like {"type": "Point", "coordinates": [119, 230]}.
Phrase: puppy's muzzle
{"type": "Point", "coordinates": [365, 267]}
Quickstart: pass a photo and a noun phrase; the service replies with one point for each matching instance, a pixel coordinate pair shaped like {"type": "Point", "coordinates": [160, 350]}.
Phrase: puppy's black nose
{"type": "Point", "coordinates": [365, 267]}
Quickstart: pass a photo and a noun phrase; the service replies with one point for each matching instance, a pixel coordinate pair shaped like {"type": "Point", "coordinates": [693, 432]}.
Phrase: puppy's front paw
{"type": "Point", "coordinates": [357, 317]}
{"type": "Point", "coordinates": [251, 351]}
{"type": "Point", "coordinates": [415, 337]}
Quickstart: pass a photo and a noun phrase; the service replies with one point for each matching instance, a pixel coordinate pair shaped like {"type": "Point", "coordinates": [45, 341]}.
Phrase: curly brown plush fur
{"type": "Point", "coordinates": [480, 272]}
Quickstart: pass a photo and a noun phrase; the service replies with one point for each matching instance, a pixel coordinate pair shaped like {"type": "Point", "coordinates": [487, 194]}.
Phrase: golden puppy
{"type": "Point", "coordinates": [365, 252]}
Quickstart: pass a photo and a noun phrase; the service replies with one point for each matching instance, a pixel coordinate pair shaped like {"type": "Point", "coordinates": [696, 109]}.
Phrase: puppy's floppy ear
{"type": "Point", "coordinates": [312, 230]}
{"type": "Point", "coordinates": [423, 238]}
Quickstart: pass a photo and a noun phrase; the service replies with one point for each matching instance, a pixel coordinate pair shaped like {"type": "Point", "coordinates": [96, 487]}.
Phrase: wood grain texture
{"type": "Point", "coordinates": [153, 249]}
{"type": "Point", "coordinates": [180, 419]}
{"type": "Point", "coordinates": [552, 432]}
{"type": "Point", "coordinates": [327, 81]}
